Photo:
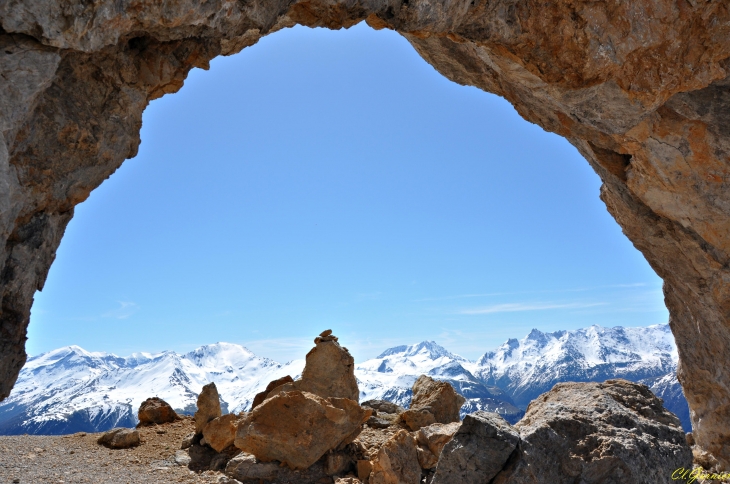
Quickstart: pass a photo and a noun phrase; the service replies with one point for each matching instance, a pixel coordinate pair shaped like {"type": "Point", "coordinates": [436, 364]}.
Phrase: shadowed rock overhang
{"type": "Point", "coordinates": [639, 88]}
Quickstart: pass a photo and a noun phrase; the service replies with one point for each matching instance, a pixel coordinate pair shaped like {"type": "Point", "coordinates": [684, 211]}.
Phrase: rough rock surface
{"type": "Point", "coordinates": [297, 428]}
{"type": "Point", "coordinates": [639, 88]}
{"type": "Point", "coordinates": [397, 461]}
{"type": "Point", "coordinates": [209, 407]}
{"type": "Point", "coordinates": [616, 431]}
{"type": "Point", "coordinates": [220, 432]}
{"type": "Point", "coordinates": [478, 451]}
{"type": "Point", "coordinates": [433, 402]}
{"type": "Point", "coordinates": [261, 396]}
{"type": "Point", "coordinates": [329, 371]}
{"type": "Point", "coordinates": [155, 411]}
{"type": "Point", "coordinates": [247, 469]}
{"type": "Point", "coordinates": [433, 438]}
{"type": "Point", "coordinates": [383, 406]}
{"type": "Point", "coordinates": [119, 438]}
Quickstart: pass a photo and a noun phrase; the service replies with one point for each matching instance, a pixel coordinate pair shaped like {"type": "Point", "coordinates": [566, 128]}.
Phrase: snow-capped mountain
{"type": "Point", "coordinates": [70, 389]}
{"type": "Point", "coordinates": [531, 366]}
{"type": "Point", "coordinates": [391, 375]}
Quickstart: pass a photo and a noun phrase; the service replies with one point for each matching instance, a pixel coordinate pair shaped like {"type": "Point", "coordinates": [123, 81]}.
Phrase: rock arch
{"type": "Point", "coordinates": [640, 88]}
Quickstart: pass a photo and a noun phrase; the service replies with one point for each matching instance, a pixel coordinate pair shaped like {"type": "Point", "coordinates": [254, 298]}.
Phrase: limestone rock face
{"type": "Point", "coordinates": [297, 428]}
{"type": "Point", "coordinates": [615, 431]}
{"type": "Point", "coordinates": [209, 407]}
{"type": "Point", "coordinates": [397, 461]}
{"type": "Point", "coordinates": [119, 438]}
{"type": "Point", "coordinates": [433, 402]}
{"type": "Point", "coordinates": [478, 451]}
{"type": "Point", "coordinates": [639, 88]}
{"type": "Point", "coordinates": [156, 411]}
{"type": "Point", "coordinates": [220, 432]}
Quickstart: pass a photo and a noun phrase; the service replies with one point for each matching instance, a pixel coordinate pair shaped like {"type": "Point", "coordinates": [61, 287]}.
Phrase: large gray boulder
{"type": "Point", "coordinates": [478, 451]}
{"type": "Point", "coordinates": [597, 433]}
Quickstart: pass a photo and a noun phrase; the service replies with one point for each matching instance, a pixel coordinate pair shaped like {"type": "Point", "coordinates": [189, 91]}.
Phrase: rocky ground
{"type": "Point", "coordinates": [77, 458]}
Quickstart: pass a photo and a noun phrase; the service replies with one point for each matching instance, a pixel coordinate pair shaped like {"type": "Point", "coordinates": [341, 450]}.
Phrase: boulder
{"type": "Point", "coordinates": [426, 458]}
{"type": "Point", "coordinates": [119, 438]}
{"type": "Point", "coordinates": [478, 450]}
{"type": "Point", "coordinates": [182, 458]}
{"type": "Point", "coordinates": [591, 433]}
{"type": "Point", "coordinates": [397, 461]}
{"type": "Point", "coordinates": [433, 401]}
{"type": "Point", "coordinates": [329, 371]}
{"type": "Point", "coordinates": [246, 467]}
{"type": "Point", "coordinates": [155, 411]}
{"type": "Point", "coordinates": [260, 397]}
{"type": "Point", "coordinates": [209, 407]}
{"type": "Point", "coordinates": [383, 406]}
{"type": "Point", "coordinates": [297, 428]}
{"type": "Point", "coordinates": [435, 436]}
{"type": "Point", "coordinates": [220, 432]}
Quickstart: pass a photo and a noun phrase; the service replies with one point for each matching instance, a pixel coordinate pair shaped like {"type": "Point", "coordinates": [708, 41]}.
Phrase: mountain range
{"type": "Point", "coordinates": [69, 389]}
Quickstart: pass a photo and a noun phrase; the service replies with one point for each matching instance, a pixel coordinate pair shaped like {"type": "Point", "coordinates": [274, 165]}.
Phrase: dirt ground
{"type": "Point", "coordinates": [77, 458]}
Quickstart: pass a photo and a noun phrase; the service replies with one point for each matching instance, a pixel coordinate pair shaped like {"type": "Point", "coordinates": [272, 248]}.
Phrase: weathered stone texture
{"type": "Point", "coordinates": [640, 88]}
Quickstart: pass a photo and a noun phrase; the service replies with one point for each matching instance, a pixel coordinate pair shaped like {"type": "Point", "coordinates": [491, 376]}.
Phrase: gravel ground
{"type": "Point", "coordinates": [77, 458]}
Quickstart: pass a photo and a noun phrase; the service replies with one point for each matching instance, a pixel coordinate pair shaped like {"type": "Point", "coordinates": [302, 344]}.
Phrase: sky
{"type": "Point", "coordinates": [333, 179]}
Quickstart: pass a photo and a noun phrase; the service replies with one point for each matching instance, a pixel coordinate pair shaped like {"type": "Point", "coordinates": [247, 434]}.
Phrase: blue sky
{"type": "Point", "coordinates": [333, 179]}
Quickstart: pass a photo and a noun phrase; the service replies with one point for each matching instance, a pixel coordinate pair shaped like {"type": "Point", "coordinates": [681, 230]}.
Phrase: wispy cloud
{"type": "Point", "coordinates": [125, 310]}
{"type": "Point", "coordinates": [527, 306]}
{"type": "Point", "coordinates": [544, 291]}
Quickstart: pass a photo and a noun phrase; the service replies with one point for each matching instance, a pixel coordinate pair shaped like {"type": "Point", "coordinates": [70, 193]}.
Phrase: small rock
{"type": "Point", "coordinates": [209, 407]}
{"type": "Point", "coordinates": [383, 406]}
{"type": "Point", "coordinates": [155, 411]}
{"type": "Point", "coordinates": [220, 432]}
{"type": "Point", "coordinates": [426, 458]}
{"type": "Point", "coordinates": [260, 397]}
{"type": "Point", "coordinates": [182, 458]}
{"type": "Point", "coordinates": [325, 333]}
{"type": "Point", "coordinates": [478, 450]}
{"type": "Point", "coordinates": [119, 438]}
{"type": "Point", "coordinates": [246, 467]}
{"type": "Point", "coordinates": [190, 439]}
{"type": "Point", "coordinates": [336, 463]}
{"type": "Point", "coordinates": [435, 436]}
{"type": "Point", "coordinates": [379, 423]}
{"type": "Point", "coordinates": [297, 428]}
{"type": "Point", "coordinates": [364, 468]}
{"type": "Point", "coordinates": [397, 461]}
{"type": "Point", "coordinates": [348, 480]}
{"type": "Point", "coordinates": [434, 397]}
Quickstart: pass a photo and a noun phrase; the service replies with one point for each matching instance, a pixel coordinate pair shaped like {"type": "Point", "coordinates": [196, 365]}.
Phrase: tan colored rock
{"type": "Point", "coordinates": [119, 438]}
{"type": "Point", "coordinates": [220, 432]}
{"type": "Point", "coordinates": [155, 411]}
{"type": "Point", "coordinates": [435, 436]}
{"type": "Point", "coordinates": [329, 371]}
{"type": "Point", "coordinates": [209, 407]}
{"type": "Point", "coordinates": [297, 428]}
{"type": "Point", "coordinates": [336, 463]}
{"type": "Point", "coordinates": [426, 458]}
{"type": "Point", "coordinates": [261, 396]}
{"type": "Point", "coordinates": [397, 461]}
{"type": "Point", "coordinates": [433, 401]}
{"type": "Point", "coordinates": [364, 468]}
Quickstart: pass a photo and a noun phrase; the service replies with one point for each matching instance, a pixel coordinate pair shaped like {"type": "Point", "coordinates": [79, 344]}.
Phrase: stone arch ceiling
{"type": "Point", "coordinates": [640, 88]}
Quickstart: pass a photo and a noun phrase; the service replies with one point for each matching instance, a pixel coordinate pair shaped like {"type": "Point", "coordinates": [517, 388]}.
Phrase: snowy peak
{"type": "Point", "coordinates": [425, 349]}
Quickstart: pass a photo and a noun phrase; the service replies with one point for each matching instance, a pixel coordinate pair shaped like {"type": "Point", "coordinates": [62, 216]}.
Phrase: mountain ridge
{"type": "Point", "coordinates": [70, 389]}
